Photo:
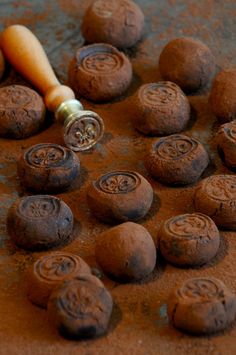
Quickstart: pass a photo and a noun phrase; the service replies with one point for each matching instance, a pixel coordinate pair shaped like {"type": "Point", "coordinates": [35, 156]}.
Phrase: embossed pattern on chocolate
{"type": "Point", "coordinates": [39, 207]}
{"type": "Point", "coordinates": [46, 155]}
{"type": "Point", "coordinates": [202, 306]}
{"type": "Point", "coordinates": [81, 307]}
{"type": "Point", "coordinates": [160, 109]}
{"type": "Point", "coordinates": [101, 62]}
{"type": "Point", "coordinates": [159, 94]}
{"type": "Point", "coordinates": [226, 143]}
{"type": "Point", "coordinates": [216, 197]}
{"type": "Point", "coordinates": [100, 72]}
{"type": "Point", "coordinates": [118, 22]}
{"type": "Point", "coordinates": [50, 271]}
{"type": "Point", "coordinates": [119, 196]}
{"type": "Point", "coordinates": [22, 112]}
{"type": "Point", "coordinates": [177, 160]}
{"type": "Point", "coordinates": [175, 147]}
{"type": "Point", "coordinates": [189, 239]}
{"type": "Point", "coordinates": [48, 167]}
{"type": "Point", "coordinates": [118, 182]}
{"type": "Point", "coordinates": [40, 222]}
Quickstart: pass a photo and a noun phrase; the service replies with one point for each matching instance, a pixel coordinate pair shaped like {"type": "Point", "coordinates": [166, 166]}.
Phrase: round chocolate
{"type": "Point", "coordinates": [160, 109]}
{"type": "Point", "coordinates": [80, 307]}
{"type": "Point", "coordinates": [2, 64]}
{"type": "Point", "coordinates": [202, 306]}
{"type": "Point", "coordinates": [50, 271]}
{"type": "Point", "coordinates": [177, 160]}
{"type": "Point", "coordinates": [187, 62]}
{"type": "Point", "coordinates": [120, 196]}
{"type": "Point", "coordinates": [216, 197]}
{"type": "Point", "coordinates": [226, 143]}
{"type": "Point", "coordinates": [189, 239]}
{"type": "Point", "coordinates": [118, 22]}
{"type": "Point", "coordinates": [222, 96]}
{"type": "Point", "coordinates": [48, 167]}
{"type": "Point", "coordinates": [99, 72]}
{"type": "Point", "coordinates": [40, 222]}
{"type": "Point", "coordinates": [126, 252]}
{"type": "Point", "coordinates": [22, 112]}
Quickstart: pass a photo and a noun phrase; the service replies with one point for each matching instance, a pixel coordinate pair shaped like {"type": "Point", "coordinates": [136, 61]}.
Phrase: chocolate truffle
{"type": "Point", "coordinates": [99, 72]}
{"type": "Point", "coordinates": [177, 160]}
{"type": "Point", "coordinates": [81, 307]}
{"type": "Point", "coordinates": [50, 271]}
{"type": "Point", "coordinates": [48, 167]}
{"type": "Point", "coordinates": [126, 252]}
{"type": "Point", "coordinates": [22, 112]}
{"type": "Point", "coordinates": [160, 109]}
{"type": "Point", "coordinates": [118, 22]}
{"type": "Point", "coordinates": [187, 62]}
{"type": "Point", "coordinates": [226, 143]}
{"type": "Point", "coordinates": [40, 222]}
{"type": "Point", "coordinates": [222, 97]}
{"type": "Point", "coordinates": [189, 239]}
{"type": "Point", "coordinates": [119, 196]}
{"type": "Point", "coordinates": [2, 64]}
{"type": "Point", "coordinates": [216, 197]}
{"type": "Point", "coordinates": [202, 306]}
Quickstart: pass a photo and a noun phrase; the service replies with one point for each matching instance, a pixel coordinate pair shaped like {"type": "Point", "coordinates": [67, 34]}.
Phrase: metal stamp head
{"type": "Point", "coordinates": [83, 130]}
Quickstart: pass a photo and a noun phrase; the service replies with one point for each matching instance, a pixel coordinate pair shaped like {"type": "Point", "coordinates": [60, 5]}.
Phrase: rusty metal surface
{"type": "Point", "coordinates": [139, 323]}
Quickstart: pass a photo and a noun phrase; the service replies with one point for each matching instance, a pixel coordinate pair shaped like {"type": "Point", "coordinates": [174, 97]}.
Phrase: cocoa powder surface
{"type": "Point", "coordinates": [139, 323]}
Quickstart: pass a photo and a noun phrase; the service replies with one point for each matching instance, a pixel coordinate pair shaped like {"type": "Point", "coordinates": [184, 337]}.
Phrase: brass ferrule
{"type": "Point", "coordinates": [67, 110]}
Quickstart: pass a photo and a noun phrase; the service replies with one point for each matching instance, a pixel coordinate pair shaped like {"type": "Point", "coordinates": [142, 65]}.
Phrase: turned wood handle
{"type": "Point", "coordinates": [25, 53]}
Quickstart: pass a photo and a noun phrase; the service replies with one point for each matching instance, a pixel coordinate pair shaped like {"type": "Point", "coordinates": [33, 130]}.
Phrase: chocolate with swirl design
{"type": "Point", "coordinates": [118, 22]}
{"type": "Point", "coordinates": [160, 109]}
{"type": "Point", "coordinates": [202, 306]}
{"type": "Point", "coordinates": [189, 239]}
{"type": "Point", "coordinates": [48, 167]}
{"type": "Point", "coordinates": [22, 112]}
{"type": "Point", "coordinates": [80, 307]}
{"type": "Point", "coordinates": [226, 143]}
{"type": "Point", "coordinates": [50, 271]}
{"type": "Point", "coordinates": [40, 222]}
{"type": "Point", "coordinates": [177, 160]}
{"type": "Point", "coordinates": [100, 72]}
{"type": "Point", "coordinates": [216, 197]}
{"type": "Point", "coordinates": [120, 196]}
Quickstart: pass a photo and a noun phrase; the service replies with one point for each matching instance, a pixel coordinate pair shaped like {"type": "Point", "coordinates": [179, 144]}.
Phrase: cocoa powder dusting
{"type": "Point", "coordinates": [139, 322]}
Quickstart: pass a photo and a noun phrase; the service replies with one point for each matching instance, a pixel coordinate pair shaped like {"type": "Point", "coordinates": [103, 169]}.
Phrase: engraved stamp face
{"type": "Point", "coordinates": [200, 289]}
{"type": "Point", "coordinates": [84, 132]}
{"type": "Point", "coordinates": [175, 147]}
{"type": "Point", "coordinates": [46, 155]}
{"type": "Point", "coordinates": [189, 226]}
{"type": "Point", "coordinates": [101, 63]}
{"type": "Point", "coordinates": [118, 182]}
{"type": "Point", "coordinates": [56, 267]}
{"type": "Point", "coordinates": [221, 187]}
{"type": "Point", "coordinates": [39, 206]}
{"type": "Point", "coordinates": [159, 94]}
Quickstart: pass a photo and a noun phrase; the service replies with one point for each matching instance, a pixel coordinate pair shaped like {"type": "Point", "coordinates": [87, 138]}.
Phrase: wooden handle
{"type": "Point", "coordinates": [23, 50]}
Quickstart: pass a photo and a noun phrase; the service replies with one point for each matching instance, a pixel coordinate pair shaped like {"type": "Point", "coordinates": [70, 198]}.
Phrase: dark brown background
{"type": "Point", "coordinates": [139, 323]}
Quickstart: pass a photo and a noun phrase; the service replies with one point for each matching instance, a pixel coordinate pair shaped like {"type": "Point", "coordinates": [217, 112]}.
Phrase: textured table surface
{"type": "Point", "coordinates": [139, 322]}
